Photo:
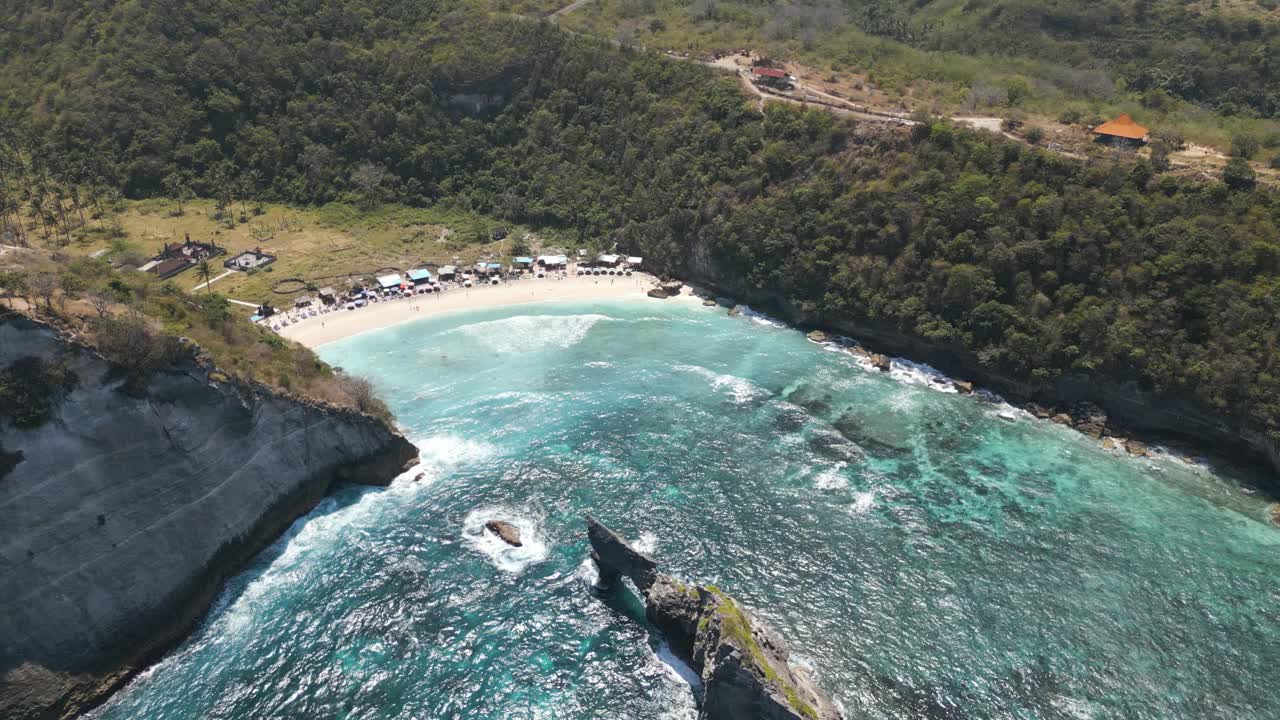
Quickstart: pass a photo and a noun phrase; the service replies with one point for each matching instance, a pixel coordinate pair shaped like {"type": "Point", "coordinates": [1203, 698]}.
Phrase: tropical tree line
{"type": "Point", "coordinates": [1038, 264]}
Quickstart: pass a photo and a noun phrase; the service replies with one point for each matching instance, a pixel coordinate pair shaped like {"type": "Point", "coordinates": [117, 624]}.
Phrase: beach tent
{"type": "Point", "coordinates": [419, 276]}
{"type": "Point", "coordinates": [387, 282]}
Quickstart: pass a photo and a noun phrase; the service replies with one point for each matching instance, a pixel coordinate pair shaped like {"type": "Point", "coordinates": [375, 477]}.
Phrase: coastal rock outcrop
{"type": "Point", "coordinates": [666, 289]}
{"type": "Point", "coordinates": [505, 531]}
{"type": "Point", "coordinates": [881, 362]}
{"type": "Point", "coordinates": [744, 664]}
{"type": "Point", "coordinates": [122, 515]}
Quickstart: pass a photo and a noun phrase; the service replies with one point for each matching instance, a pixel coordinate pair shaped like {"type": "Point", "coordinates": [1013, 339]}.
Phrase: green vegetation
{"type": "Point", "coordinates": [1037, 264]}
{"type": "Point", "coordinates": [1207, 70]}
{"type": "Point", "coordinates": [735, 624]}
{"type": "Point", "coordinates": [143, 324]}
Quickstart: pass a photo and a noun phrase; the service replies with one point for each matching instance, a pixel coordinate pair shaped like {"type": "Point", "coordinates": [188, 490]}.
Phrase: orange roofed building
{"type": "Point", "coordinates": [1122, 129]}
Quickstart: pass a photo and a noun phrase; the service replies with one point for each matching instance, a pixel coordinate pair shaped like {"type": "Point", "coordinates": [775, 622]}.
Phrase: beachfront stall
{"type": "Point", "coordinates": [553, 262]}
{"type": "Point", "coordinates": [419, 277]}
{"type": "Point", "coordinates": [448, 272]}
{"type": "Point", "coordinates": [390, 283]}
{"type": "Point", "coordinates": [608, 260]}
{"type": "Point", "coordinates": [522, 263]}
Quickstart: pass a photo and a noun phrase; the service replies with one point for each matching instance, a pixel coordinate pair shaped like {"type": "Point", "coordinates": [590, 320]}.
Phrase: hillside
{"type": "Point", "coordinates": [1204, 69]}
{"type": "Point", "coordinates": [1037, 265]}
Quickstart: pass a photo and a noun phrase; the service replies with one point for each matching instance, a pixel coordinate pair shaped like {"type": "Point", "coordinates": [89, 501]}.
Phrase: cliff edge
{"type": "Point", "coordinates": [123, 513]}
{"type": "Point", "coordinates": [743, 663]}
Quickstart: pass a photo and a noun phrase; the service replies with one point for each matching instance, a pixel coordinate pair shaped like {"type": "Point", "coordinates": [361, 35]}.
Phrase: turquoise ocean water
{"type": "Point", "coordinates": [932, 559]}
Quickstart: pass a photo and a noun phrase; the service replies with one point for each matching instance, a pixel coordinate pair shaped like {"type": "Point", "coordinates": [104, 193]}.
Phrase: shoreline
{"type": "Point", "coordinates": [339, 324]}
{"type": "Point", "coordinates": [1114, 431]}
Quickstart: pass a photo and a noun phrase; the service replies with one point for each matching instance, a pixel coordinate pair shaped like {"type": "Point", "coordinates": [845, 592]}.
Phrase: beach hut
{"type": "Point", "coordinates": [302, 301]}
{"type": "Point", "coordinates": [609, 260]}
{"type": "Point", "coordinates": [522, 263]}
{"type": "Point", "coordinates": [328, 295]}
{"type": "Point", "coordinates": [553, 261]}
{"type": "Point", "coordinates": [419, 276]}
{"type": "Point", "coordinates": [390, 282]}
{"type": "Point", "coordinates": [448, 272]}
{"type": "Point", "coordinates": [634, 262]}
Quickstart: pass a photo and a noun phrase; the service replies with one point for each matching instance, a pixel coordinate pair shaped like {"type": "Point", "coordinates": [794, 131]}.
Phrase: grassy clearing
{"type": "Point", "coordinates": [326, 245]}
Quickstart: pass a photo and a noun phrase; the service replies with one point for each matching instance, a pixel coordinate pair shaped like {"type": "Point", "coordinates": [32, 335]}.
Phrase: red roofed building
{"type": "Point", "coordinates": [1122, 129]}
{"type": "Point", "coordinates": [773, 77]}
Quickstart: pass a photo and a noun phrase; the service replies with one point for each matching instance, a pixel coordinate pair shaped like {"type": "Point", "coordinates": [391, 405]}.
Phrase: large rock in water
{"type": "Point", "coordinates": [743, 663]}
{"type": "Point", "coordinates": [507, 532]}
{"type": "Point", "coordinates": [122, 515]}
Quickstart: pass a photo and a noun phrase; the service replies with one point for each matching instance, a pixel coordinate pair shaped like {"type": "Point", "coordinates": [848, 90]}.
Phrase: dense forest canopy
{"type": "Point", "coordinates": [1039, 264]}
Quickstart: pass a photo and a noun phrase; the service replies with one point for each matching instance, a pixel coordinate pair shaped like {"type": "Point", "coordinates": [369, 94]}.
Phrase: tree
{"type": "Point", "coordinates": [205, 273]}
{"type": "Point", "coordinates": [101, 301]}
{"type": "Point", "coordinates": [1244, 145]}
{"type": "Point", "coordinates": [46, 286]}
{"type": "Point", "coordinates": [1238, 174]}
{"type": "Point", "coordinates": [367, 178]}
{"type": "Point", "coordinates": [177, 186]}
{"type": "Point", "coordinates": [72, 286]}
{"type": "Point", "coordinates": [15, 284]}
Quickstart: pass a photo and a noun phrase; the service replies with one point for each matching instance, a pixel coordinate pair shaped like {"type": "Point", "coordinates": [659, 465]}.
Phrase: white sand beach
{"type": "Point", "coordinates": [341, 323]}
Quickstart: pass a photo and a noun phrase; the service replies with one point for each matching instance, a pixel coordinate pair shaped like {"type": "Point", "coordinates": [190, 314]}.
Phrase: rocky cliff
{"type": "Point", "coordinates": [121, 515]}
{"type": "Point", "coordinates": [744, 664]}
{"type": "Point", "coordinates": [1129, 408]}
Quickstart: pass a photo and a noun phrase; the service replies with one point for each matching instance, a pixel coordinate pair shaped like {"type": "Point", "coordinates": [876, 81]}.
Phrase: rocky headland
{"type": "Point", "coordinates": [744, 664]}
{"type": "Point", "coordinates": [124, 512]}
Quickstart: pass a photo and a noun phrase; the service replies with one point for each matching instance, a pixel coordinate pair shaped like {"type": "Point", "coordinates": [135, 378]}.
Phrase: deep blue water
{"type": "Point", "coordinates": [930, 558]}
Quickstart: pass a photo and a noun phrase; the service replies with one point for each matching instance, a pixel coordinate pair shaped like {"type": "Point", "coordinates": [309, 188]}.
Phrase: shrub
{"type": "Point", "coordinates": [1238, 174]}
{"type": "Point", "coordinates": [1244, 145]}
{"type": "Point", "coordinates": [1034, 134]}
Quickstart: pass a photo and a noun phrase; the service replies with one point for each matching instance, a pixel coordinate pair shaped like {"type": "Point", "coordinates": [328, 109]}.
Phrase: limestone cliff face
{"type": "Point", "coordinates": [123, 514]}
{"type": "Point", "coordinates": [744, 665]}
{"type": "Point", "coordinates": [1126, 404]}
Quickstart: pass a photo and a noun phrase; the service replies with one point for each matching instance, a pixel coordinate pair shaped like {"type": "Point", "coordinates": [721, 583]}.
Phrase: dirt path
{"type": "Point", "coordinates": [568, 8]}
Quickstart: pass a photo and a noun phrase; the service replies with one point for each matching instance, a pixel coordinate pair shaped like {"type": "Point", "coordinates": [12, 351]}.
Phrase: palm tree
{"type": "Point", "coordinates": [204, 272]}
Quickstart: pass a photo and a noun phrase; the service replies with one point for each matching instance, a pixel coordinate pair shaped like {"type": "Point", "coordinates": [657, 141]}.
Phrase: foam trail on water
{"type": "Point", "coordinates": [529, 333]}
{"type": "Point", "coordinates": [741, 390]}
{"type": "Point", "coordinates": [759, 318]}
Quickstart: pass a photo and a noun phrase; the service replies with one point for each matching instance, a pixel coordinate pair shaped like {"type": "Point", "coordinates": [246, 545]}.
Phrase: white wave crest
{"type": "Point", "coordinates": [439, 454]}
{"type": "Point", "coordinates": [741, 390]}
{"type": "Point", "coordinates": [503, 556]}
{"type": "Point", "coordinates": [529, 333]}
{"type": "Point", "coordinates": [759, 318]}
{"type": "Point", "coordinates": [863, 502]}
{"type": "Point", "coordinates": [832, 479]}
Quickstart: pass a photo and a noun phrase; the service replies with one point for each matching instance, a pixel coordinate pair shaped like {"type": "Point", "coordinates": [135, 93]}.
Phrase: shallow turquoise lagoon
{"type": "Point", "coordinates": [930, 558]}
